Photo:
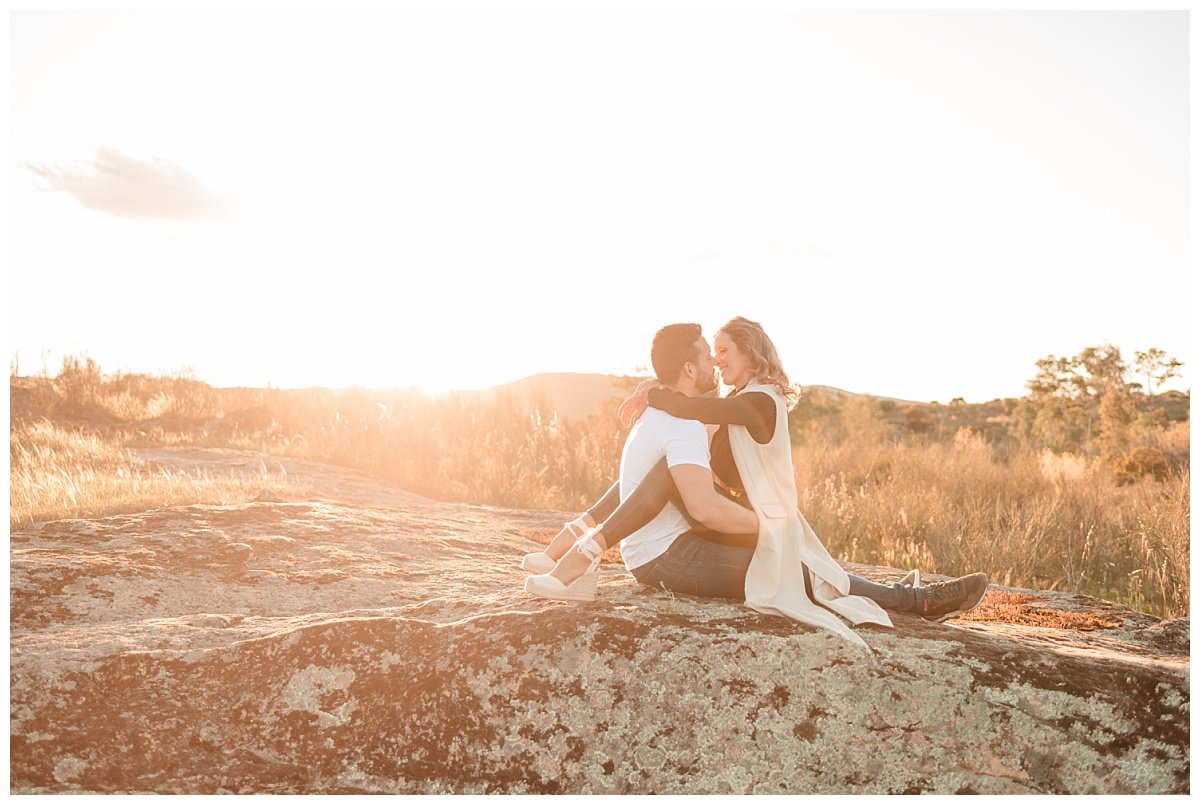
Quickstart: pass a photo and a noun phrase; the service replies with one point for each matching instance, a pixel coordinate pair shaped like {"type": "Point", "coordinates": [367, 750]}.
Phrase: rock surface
{"type": "Point", "coordinates": [366, 640]}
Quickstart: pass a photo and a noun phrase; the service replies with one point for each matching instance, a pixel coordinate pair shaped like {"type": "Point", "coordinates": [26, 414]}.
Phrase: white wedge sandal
{"type": "Point", "coordinates": [582, 589]}
{"type": "Point", "coordinates": [540, 561]}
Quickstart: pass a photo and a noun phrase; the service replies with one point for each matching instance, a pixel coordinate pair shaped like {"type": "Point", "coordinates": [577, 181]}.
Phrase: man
{"type": "Point", "coordinates": [661, 547]}
{"type": "Point", "coordinates": [683, 361]}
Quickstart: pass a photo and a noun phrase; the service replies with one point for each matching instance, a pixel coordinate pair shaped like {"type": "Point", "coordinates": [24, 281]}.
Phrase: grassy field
{"type": "Point", "coordinates": [63, 472]}
{"type": "Point", "coordinates": [949, 489]}
{"type": "Point", "coordinates": [1036, 520]}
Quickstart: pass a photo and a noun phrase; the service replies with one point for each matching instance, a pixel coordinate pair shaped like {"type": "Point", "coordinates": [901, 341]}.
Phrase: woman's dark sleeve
{"type": "Point", "coordinates": [754, 410]}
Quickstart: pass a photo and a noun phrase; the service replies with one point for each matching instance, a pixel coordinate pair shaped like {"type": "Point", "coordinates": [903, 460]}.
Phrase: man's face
{"type": "Point", "coordinates": [706, 368]}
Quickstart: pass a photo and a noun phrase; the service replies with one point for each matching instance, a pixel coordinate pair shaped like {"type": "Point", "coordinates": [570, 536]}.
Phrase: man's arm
{"type": "Point", "coordinates": [695, 485]}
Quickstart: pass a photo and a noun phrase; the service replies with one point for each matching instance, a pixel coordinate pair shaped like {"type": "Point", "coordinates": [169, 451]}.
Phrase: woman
{"type": "Point", "coordinates": [784, 568]}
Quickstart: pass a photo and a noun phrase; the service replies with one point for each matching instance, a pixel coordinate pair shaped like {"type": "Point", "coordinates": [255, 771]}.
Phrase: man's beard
{"type": "Point", "coordinates": [707, 383]}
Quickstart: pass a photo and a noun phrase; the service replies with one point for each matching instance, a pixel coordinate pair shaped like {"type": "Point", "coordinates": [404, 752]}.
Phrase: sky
{"type": "Point", "coordinates": [913, 204]}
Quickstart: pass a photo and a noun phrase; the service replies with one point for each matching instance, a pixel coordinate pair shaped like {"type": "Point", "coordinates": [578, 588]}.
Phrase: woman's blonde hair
{"type": "Point", "coordinates": [760, 352]}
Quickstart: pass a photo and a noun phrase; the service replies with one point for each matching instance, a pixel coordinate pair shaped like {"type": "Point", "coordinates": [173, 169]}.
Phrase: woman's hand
{"type": "Point", "coordinates": [635, 404]}
{"type": "Point", "coordinates": [633, 407]}
{"type": "Point", "coordinates": [644, 388]}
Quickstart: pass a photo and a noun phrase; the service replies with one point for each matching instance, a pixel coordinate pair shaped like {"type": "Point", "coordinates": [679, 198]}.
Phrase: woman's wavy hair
{"type": "Point", "coordinates": [753, 342]}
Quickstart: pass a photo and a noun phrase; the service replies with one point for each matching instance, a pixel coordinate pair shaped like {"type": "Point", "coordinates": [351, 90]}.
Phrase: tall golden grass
{"type": "Point", "coordinates": [465, 448]}
{"type": "Point", "coordinates": [1027, 522]}
{"type": "Point", "coordinates": [61, 472]}
{"type": "Point", "coordinates": [873, 492]}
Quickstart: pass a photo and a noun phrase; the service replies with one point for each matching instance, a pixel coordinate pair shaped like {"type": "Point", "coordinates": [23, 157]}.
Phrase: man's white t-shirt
{"type": "Point", "coordinates": [681, 441]}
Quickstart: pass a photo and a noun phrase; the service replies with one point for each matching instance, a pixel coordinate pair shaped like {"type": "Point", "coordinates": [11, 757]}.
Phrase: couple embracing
{"type": "Point", "coordinates": [706, 501]}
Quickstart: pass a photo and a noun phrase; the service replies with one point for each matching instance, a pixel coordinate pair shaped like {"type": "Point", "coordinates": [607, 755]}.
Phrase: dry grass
{"type": "Point", "coordinates": [59, 473]}
{"type": "Point", "coordinates": [459, 448]}
{"type": "Point", "coordinates": [955, 509]}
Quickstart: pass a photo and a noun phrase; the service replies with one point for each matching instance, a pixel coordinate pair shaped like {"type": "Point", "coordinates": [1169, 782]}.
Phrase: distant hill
{"type": "Point", "coordinates": [572, 395]}
{"type": "Point", "coordinates": [576, 395]}
{"type": "Point", "coordinates": [836, 392]}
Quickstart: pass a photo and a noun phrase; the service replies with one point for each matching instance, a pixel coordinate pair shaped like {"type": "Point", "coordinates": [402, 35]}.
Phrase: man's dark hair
{"type": "Point", "coordinates": [673, 346]}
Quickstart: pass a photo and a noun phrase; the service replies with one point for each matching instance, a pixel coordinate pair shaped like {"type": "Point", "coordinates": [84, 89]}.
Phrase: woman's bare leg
{"type": "Point", "coordinates": [564, 539]}
{"type": "Point", "coordinates": [642, 506]}
{"type": "Point", "coordinates": [598, 513]}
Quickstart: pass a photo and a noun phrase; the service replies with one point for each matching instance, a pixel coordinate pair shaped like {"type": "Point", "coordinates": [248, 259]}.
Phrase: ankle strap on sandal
{"type": "Point", "coordinates": [590, 548]}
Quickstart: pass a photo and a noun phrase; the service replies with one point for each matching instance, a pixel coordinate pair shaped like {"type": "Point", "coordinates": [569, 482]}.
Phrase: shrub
{"type": "Point", "coordinates": [1143, 461]}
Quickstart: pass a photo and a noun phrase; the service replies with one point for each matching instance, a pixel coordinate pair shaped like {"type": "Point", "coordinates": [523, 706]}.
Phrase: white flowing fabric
{"type": "Point", "coordinates": [786, 542]}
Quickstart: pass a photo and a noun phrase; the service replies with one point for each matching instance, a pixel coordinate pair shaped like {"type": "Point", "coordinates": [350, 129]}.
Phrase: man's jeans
{"type": "Point", "coordinates": [694, 565]}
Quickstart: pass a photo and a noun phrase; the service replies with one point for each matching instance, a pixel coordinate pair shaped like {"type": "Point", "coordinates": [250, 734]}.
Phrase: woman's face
{"type": "Point", "coordinates": [735, 369]}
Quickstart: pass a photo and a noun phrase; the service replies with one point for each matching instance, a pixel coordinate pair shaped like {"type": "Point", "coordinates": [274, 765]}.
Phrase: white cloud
{"type": "Point", "coordinates": [121, 185]}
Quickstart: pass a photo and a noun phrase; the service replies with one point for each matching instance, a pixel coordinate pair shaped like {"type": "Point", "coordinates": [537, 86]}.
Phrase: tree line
{"type": "Point", "coordinates": [1092, 403]}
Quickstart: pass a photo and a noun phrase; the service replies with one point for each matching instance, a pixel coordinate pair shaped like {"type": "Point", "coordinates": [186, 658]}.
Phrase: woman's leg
{"type": "Point", "coordinates": [603, 508]}
{"type": "Point", "coordinates": [575, 529]}
{"type": "Point", "coordinates": [647, 500]}
{"type": "Point", "coordinates": [642, 506]}
{"type": "Point", "coordinates": [600, 511]}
